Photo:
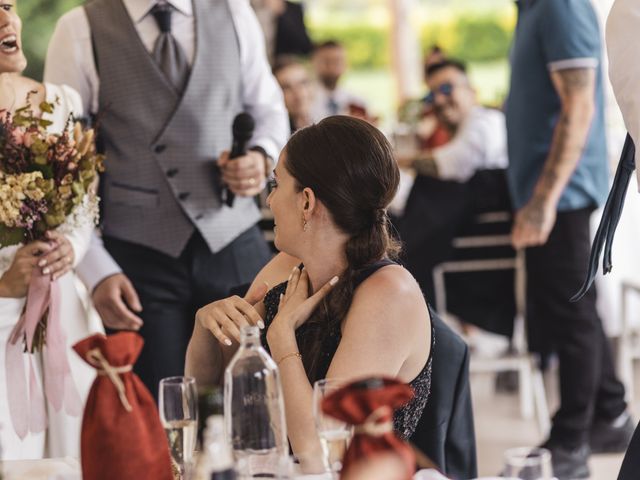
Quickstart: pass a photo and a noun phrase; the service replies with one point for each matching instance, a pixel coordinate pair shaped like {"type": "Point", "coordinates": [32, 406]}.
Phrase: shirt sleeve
{"type": "Point", "coordinates": [623, 24]}
{"type": "Point", "coordinates": [96, 265]}
{"type": "Point", "coordinates": [261, 94]}
{"type": "Point", "coordinates": [570, 34]}
{"type": "Point", "coordinates": [69, 59]}
{"type": "Point", "coordinates": [482, 136]}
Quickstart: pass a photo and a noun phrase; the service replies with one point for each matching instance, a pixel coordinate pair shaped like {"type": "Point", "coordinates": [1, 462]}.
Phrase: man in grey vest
{"type": "Point", "coordinates": [165, 79]}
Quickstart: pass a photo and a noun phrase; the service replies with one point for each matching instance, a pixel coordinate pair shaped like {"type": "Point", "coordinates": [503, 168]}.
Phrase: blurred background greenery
{"type": "Point", "coordinates": [38, 21]}
{"type": "Point", "coordinates": [478, 32]}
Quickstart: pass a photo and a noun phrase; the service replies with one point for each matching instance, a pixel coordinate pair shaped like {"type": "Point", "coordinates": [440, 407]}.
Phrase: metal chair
{"type": "Point", "coordinates": [629, 343]}
{"type": "Point", "coordinates": [518, 359]}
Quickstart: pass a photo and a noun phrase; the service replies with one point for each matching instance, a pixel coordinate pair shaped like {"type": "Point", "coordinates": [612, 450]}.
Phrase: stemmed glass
{"type": "Point", "coordinates": [528, 464]}
{"type": "Point", "coordinates": [178, 405]}
{"type": "Point", "coordinates": [334, 434]}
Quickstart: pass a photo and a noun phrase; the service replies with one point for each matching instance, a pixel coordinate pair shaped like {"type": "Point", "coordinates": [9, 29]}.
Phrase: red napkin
{"type": "Point", "coordinates": [368, 405]}
{"type": "Point", "coordinates": [122, 437]}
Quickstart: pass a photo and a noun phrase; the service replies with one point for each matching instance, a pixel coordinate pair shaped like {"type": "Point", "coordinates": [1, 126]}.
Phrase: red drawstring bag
{"type": "Point", "coordinates": [368, 405]}
{"type": "Point", "coordinates": [122, 437]}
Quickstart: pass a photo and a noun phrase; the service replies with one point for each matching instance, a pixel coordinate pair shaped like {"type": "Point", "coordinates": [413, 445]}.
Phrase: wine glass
{"type": "Point", "coordinates": [178, 405]}
{"type": "Point", "coordinates": [528, 464]}
{"type": "Point", "coordinates": [334, 434]}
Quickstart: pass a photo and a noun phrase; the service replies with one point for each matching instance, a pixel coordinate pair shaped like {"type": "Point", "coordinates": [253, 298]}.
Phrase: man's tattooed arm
{"type": "Point", "coordinates": [576, 88]}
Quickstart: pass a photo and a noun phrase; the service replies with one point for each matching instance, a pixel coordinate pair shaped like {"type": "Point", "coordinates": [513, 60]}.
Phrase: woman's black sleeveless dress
{"type": "Point", "coordinates": [406, 419]}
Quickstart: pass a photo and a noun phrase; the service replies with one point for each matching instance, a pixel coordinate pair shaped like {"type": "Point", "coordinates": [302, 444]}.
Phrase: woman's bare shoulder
{"type": "Point", "coordinates": [393, 290]}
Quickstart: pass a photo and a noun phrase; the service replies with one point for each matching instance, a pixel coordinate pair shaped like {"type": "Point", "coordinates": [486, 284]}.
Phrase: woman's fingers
{"type": "Point", "coordinates": [228, 326]}
{"type": "Point", "coordinates": [207, 319]}
{"type": "Point", "coordinates": [249, 312]}
{"type": "Point", "coordinates": [313, 301]}
{"type": "Point", "coordinates": [292, 283]}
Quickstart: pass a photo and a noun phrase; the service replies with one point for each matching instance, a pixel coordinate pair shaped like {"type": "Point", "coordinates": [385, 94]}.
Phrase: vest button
{"type": "Point", "coordinates": [159, 148]}
{"type": "Point", "coordinates": [172, 172]}
{"type": "Point", "coordinates": [183, 195]}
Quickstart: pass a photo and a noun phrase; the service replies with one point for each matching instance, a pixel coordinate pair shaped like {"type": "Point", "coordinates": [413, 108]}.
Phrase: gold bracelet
{"type": "Point", "coordinates": [289, 355]}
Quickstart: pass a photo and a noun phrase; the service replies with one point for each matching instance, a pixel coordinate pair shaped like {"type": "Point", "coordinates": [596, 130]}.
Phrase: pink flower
{"type": "Point", "coordinates": [28, 139]}
{"type": "Point", "coordinates": [18, 136]}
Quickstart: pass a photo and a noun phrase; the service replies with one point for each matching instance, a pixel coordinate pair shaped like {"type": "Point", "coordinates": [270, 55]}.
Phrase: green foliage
{"type": "Point", "coordinates": [472, 39]}
{"type": "Point", "coordinates": [367, 46]}
{"type": "Point", "coordinates": [469, 38]}
{"type": "Point", "coordinates": [38, 21]}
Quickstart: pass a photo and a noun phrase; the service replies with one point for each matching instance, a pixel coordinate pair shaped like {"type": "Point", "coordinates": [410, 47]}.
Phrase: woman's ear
{"type": "Point", "coordinates": [308, 202]}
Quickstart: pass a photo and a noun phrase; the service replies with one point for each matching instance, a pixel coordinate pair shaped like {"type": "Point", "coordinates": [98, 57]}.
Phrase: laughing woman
{"type": "Point", "coordinates": [55, 257]}
{"type": "Point", "coordinates": [351, 311]}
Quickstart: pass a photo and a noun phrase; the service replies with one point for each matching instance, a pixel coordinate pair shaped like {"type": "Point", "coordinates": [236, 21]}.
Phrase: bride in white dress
{"type": "Point", "coordinates": [63, 250]}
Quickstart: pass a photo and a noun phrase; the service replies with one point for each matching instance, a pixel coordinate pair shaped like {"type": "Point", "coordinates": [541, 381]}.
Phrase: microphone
{"type": "Point", "coordinates": [242, 129]}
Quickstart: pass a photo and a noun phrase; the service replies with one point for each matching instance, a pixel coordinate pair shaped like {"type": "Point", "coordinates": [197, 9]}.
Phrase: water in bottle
{"type": "Point", "coordinates": [254, 411]}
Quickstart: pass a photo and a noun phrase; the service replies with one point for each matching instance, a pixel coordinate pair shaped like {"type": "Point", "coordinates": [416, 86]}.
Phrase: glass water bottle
{"type": "Point", "coordinates": [254, 411]}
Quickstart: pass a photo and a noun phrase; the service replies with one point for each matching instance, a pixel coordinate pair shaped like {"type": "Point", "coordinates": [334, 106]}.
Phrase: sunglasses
{"type": "Point", "coordinates": [445, 89]}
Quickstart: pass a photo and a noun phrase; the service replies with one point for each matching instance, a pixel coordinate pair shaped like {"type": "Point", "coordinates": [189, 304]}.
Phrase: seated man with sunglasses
{"type": "Point", "coordinates": [478, 134]}
{"type": "Point", "coordinates": [454, 183]}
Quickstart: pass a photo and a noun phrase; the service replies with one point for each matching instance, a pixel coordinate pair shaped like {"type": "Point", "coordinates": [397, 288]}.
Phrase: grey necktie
{"type": "Point", "coordinates": [167, 52]}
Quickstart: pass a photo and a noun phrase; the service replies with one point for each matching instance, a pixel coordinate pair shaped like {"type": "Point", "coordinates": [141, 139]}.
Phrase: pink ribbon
{"type": "Point", "coordinates": [26, 403]}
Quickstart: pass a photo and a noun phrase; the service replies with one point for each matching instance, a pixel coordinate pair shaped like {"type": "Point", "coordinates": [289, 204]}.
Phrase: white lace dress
{"type": "Point", "coordinates": [79, 320]}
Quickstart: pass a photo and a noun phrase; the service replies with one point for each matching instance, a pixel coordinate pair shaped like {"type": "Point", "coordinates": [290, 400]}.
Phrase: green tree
{"type": "Point", "coordinates": [38, 21]}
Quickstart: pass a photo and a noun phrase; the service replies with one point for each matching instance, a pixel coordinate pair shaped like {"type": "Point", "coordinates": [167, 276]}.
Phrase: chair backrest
{"type": "Point", "coordinates": [445, 432]}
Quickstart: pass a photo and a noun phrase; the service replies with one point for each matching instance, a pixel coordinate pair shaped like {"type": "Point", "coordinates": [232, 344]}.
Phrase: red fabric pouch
{"type": "Point", "coordinates": [368, 405]}
{"type": "Point", "coordinates": [122, 437]}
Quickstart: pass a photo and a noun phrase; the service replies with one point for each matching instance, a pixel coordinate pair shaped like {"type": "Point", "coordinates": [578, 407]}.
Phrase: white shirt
{"type": "Point", "coordinates": [480, 143]}
{"type": "Point", "coordinates": [70, 61]}
{"type": "Point", "coordinates": [623, 50]}
{"type": "Point", "coordinates": [342, 98]}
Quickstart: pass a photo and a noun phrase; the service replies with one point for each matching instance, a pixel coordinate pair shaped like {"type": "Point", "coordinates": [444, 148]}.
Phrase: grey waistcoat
{"type": "Point", "coordinates": [161, 149]}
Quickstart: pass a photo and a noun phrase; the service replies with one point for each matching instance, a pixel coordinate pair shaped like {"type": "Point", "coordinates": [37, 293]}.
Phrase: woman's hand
{"type": "Point", "coordinates": [14, 283]}
{"type": "Point", "coordinates": [59, 260]}
{"type": "Point", "coordinates": [296, 306]}
{"type": "Point", "coordinates": [225, 318]}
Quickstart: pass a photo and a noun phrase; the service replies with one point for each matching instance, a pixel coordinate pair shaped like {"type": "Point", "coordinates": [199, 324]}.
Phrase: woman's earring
{"type": "Point", "coordinates": [304, 224]}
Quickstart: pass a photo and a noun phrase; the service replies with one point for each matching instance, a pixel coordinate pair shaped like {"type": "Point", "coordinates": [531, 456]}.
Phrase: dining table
{"type": "Point", "coordinates": [69, 469]}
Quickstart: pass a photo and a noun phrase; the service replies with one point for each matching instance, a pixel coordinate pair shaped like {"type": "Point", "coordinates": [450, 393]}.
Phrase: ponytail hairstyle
{"type": "Point", "coordinates": [350, 167]}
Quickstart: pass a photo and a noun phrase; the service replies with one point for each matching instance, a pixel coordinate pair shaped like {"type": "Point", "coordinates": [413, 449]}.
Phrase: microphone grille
{"type": "Point", "coordinates": [243, 126]}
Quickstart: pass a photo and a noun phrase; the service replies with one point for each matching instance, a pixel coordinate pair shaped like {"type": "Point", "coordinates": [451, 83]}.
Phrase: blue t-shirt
{"type": "Point", "coordinates": [553, 35]}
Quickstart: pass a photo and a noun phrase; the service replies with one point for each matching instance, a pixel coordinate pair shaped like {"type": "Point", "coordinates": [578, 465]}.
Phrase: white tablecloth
{"type": "Point", "coordinates": [69, 469]}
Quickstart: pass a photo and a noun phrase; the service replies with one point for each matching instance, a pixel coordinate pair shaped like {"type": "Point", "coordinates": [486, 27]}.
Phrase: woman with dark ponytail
{"type": "Point", "coordinates": [341, 307]}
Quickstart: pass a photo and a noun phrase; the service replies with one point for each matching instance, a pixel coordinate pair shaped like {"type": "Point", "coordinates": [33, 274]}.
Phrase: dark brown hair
{"type": "Point", "coordinates": [349, 165]}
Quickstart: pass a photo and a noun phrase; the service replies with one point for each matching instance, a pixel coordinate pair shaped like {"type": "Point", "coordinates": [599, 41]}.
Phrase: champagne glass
{"type": "Point", "coordinates": [528, 464]}
{"type": "Point", "coordinates": [334, 434]}
{"type": "Point", "coordinates": [178, 407]}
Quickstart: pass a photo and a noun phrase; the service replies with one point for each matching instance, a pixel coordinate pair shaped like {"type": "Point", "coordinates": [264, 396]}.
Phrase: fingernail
{"type": "Point", "coordinates": [227, 342]}
{"type": "Point", "coordinates": [260, 324]}
{"type": "Point", "coordinates": [42, 263]}
{"type": "Point", "coordinates": [333, 281]}
{"type": "Point", "coordinates": [46, 271]}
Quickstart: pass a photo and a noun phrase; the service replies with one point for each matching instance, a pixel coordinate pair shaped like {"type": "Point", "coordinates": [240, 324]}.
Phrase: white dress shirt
{"type": "Point", "coordinates": [342, 98]}
{"type": "Point", "coordinates": [70, 61]}
{"type": "Point", "coordinates": [480, 143]}
{"type": "Point", "coordinates": [623, 50]}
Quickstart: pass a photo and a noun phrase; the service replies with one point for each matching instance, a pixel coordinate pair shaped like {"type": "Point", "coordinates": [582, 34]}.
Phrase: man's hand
{"type": "Point", "coordinates": [245, 176]}
{"type": "Point", "coordinates": [115, 300]}
{"type": "Point", "coordinates": [533, 223]}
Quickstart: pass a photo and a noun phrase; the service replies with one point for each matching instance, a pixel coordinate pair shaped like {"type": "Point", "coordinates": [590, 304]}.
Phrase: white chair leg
{"type": "Point", "coordinates": [540, 399]}
{"type": "Point", "coordinates": [526, 389]}
{"type": "Point", "coordinates": [625, 367]}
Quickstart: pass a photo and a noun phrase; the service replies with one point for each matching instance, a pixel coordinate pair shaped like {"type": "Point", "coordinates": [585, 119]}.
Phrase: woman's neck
{"type": "Point", "coordinates": [17, 91]}
{"type": "Point", "coordinates": [325, 260]}
{"type": "Point", "coordinates": [8, 92]}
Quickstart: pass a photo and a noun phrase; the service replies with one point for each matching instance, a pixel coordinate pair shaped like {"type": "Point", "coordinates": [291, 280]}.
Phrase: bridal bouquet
{"type": "Point", "coordinates": [43, 177]}
{"type": "Point", "coordinates": [45, 180]}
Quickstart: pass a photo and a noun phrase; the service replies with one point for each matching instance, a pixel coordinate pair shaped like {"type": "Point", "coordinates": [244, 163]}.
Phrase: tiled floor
{"type": "Point", "coordinates": [499, 426]}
